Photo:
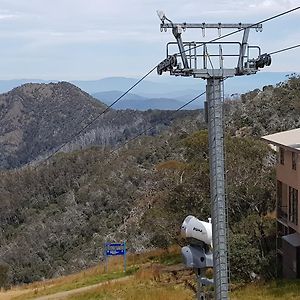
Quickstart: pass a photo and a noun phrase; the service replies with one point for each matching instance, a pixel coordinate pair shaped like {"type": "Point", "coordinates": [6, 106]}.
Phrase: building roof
{"type": "Point", "coordinates": [293, 239]}
{"type": "Point", "coordinates": [290, 139]}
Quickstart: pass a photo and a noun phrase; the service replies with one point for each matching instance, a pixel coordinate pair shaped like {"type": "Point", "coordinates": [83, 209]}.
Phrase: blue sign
{"type": "Point", "coordinates": [115, 252]}
{"type": "Point", "coordinates": [115, 249]}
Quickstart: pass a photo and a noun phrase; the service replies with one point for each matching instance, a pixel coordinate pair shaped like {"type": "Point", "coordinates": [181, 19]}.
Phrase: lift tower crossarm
{"type": "Point", "coordinates": [187, 70]}
{"type": "Point", "coordinates": [211, 25]}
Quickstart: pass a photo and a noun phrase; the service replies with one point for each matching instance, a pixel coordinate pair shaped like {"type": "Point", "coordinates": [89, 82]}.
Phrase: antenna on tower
{"type": "Point", "coordinates": [161, 15]}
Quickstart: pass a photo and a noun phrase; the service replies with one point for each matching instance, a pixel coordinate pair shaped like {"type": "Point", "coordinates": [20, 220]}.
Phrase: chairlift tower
{"type": "Point", "coordinates": [194, 59]}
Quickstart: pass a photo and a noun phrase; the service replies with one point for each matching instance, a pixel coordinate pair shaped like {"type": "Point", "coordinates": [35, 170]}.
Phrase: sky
{"type": "Point", "coordinates": [92, 39]}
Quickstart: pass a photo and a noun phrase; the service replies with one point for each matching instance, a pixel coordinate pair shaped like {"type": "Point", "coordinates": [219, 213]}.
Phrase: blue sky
{"type": "Point", "coordinates": [91, 39]}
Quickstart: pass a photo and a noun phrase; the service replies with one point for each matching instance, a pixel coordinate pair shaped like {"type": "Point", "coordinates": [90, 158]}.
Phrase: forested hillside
{"type": "Point", "coordinates": [55, 217]}
{"type": "Point", "coordinates": [36, 119]}
{"type": "Point", "coordinates": [272, 109]}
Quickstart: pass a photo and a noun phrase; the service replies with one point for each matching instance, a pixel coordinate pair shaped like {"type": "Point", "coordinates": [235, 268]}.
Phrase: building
{"type": "Point", "coordinates": [288, 209]}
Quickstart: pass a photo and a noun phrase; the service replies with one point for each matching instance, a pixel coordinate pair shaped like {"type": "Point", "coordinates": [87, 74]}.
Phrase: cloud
{"type": "Point", "coordinates": [273, 5]}
{"type": "Point", "coordinates": [7, 16]}
{"type": "Point", "coordinates": [59, 29]}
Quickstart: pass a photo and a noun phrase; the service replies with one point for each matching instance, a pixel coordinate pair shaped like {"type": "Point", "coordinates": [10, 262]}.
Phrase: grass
{"type": "Point", "coordinates": [132, 290]}
{"type": "Point", "coordinates": [168, 257]}
{"type": "Point", "coordinates": [68, 284]}
{"type": "Point", "coordinates": [145, 285]}
{"type": "Point", "coordinates": [96, 274]}
{"type": "Point", "coordinates": [148, 282]}
{"type": "Point", "coordinates": [280, 289]}
{"type": "Point", "coordinates": [163, 256]}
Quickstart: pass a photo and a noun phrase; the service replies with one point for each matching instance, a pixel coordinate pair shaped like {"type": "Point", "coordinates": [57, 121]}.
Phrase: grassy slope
{"type": "Point", "coordinates": [93, 275]}
{"type": "Point", "coordinates": [137, 288]}
{"type": "Point", "coordinates": [280, 289]}
{"type": "Point", "coordinates": [147, 283]}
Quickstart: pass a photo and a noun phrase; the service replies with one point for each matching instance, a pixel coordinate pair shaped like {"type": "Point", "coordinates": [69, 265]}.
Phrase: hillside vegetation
{"type": "Point", "coordinates": [36, 119]}
{"type": "Point", "coordinates": [274, 109]}
{"type": "Point", "coordinates": [56, 216]}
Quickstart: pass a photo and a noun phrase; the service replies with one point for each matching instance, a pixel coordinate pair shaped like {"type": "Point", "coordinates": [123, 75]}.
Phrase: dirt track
{"type": "Point", "coordinates": [61, 295]}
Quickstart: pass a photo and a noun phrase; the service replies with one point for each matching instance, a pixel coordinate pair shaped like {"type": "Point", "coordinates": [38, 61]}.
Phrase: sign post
{"type": "Point", "coordinates": [115, 249]}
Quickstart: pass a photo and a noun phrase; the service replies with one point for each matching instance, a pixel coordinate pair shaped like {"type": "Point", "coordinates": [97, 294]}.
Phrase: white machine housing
{"type": "Point", "coordinates": [192, 228]}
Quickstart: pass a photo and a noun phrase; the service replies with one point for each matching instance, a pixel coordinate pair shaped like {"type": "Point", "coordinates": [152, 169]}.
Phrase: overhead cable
{"type": "Point", "coordinates": [98, 116]}
{"type": "Point", "coordinates": [147, 74]}
{"type": "Point", "coordinates": [153, 126]}
{"type": "Point", "coordinates": [283, 50]}
{"type": "Point", "coordinates": [241, 29]}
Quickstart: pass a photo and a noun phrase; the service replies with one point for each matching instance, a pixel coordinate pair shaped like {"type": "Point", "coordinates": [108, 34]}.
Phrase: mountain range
{"type": "Point", "coordinates": [157, 92]}
{"type": "Point", "coordinates": [133, 101]}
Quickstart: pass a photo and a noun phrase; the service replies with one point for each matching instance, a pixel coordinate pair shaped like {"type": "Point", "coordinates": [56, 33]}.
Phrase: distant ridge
{"type": "Point", "coordinates": [157, 92]}
{"type": "Point", "coordinates": [158, 86]}
{"type": "Point", "coordinates": [133, 101]}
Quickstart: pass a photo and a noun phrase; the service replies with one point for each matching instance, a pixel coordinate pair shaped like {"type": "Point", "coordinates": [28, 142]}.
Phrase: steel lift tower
{"type": "Point", "coordinates": [193, 59]}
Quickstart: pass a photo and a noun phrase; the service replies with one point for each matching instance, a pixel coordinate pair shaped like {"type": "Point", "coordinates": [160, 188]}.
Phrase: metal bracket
{"type": "Point", "coordinates": [243, 49]}
{"type": "Point", "coordinates": [177, 31]}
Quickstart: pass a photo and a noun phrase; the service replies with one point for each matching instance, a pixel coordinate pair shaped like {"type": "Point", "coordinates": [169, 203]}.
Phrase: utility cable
{"type": "Point", "coordinates": [136, 136]}
{"type": "Point", "coordinates": [98, 116]}
{"type": "Point", "coordinates": [241, 29]}
{"type": "Point", "coordinates": [147, 74]}
{"type": "Point", "coordinates": [120, 97]}
{"type": "Point", "coordinates": [283, 50]}
{"type": "Point", "coordinates": [153, 126]}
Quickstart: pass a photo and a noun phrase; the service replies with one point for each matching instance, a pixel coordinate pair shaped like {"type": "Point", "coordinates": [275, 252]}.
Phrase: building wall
{"type": "Point", "coordinates": [289, 177]}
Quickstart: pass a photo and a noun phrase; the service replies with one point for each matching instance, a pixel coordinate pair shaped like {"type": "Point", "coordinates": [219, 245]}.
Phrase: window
{"type": "Point", "coordinates": [294, 160]}
{"type": "Point", "coordinates": [281, 155]}
{"type": "Point", "coordinates": [293, 205]}
{"type": "Point", "coordinates": [279, 193]}
{"type": "Point", "coordinates": [281, 209]}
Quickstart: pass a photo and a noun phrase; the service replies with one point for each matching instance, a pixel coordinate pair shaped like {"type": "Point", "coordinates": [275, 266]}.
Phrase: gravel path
{"type": "Point", "coordinates": [63, 295]}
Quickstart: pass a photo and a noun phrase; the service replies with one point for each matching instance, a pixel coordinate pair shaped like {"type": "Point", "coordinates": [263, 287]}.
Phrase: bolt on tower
{"type": "Point", "coordinates": [196, 59]}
